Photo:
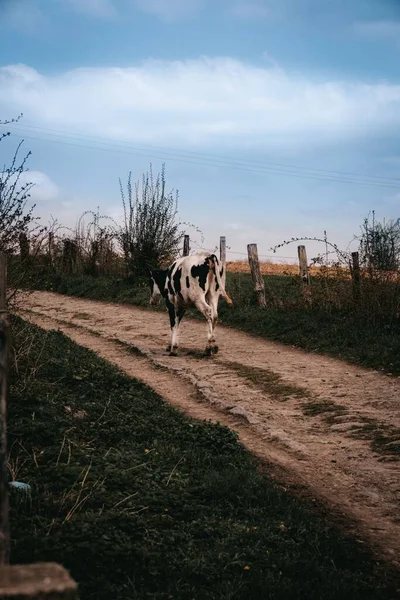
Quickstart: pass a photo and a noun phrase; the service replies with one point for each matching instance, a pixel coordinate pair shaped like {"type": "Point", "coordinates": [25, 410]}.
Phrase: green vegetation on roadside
{"type": "Point", "coordinates": [139, 501]}
{"type": "Point", "coordinates": [372, 342]}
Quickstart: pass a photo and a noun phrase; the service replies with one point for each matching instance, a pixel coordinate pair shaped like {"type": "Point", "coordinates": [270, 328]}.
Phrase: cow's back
{"type": "Point", "coordinates": [190, 277]}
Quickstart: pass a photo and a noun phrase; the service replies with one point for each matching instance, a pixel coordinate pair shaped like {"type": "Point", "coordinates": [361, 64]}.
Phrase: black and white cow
{"type": "Point", "coordinates": [190, 281]}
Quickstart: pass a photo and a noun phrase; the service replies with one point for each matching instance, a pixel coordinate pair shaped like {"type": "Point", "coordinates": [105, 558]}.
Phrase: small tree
{"type": "Point", "coordinates": [380, 244]}
{"type": "Point", "coordinates": [96, 243]}
{"type": "Point", "coordinates": [15, 216]}
{"type": "Point", "coordinates": [151, 233]}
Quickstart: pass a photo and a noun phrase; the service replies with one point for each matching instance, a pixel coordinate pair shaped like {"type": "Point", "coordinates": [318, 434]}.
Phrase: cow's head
{"type": "Point", "coordinates": [157, 281]}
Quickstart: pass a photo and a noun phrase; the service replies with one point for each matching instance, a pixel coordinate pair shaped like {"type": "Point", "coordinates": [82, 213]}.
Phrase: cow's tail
{"type": "Point", "coordinates": [217, 270]}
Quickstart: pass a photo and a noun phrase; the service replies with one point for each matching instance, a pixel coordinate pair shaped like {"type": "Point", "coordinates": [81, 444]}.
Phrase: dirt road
{"type": "Point", "coordinates": [331, 427]}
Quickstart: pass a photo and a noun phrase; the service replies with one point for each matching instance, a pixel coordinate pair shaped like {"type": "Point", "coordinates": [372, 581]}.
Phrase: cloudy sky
{"type": "Point", "coordinates": [275, 118]}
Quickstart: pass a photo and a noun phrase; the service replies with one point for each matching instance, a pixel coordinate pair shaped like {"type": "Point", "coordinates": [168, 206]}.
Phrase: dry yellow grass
{"type": "Point", "coordinates": [239, 266]}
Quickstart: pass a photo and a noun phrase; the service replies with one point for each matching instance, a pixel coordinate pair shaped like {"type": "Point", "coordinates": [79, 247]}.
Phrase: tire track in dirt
{"type": "Point", "coordinates": [262, 390]}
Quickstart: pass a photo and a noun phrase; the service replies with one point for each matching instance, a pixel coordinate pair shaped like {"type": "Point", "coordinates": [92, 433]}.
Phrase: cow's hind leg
{"type": "Point", "coordinates": [175, 316]}
{"type": "Point", "coordinates": [175, 331]}
{"type": "Point", "coordinates": [172, 320]}
{"type": "Point", "coordinates": [213, 302]}
{"type": "Point", "coordinates": [207, 311]}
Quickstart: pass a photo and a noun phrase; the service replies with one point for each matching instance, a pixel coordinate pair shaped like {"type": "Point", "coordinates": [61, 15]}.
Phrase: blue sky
{"type": "Point", "coordinates": [257, 107]}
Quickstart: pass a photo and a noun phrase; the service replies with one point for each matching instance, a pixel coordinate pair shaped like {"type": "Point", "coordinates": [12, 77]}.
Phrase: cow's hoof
{"type": "Point", "coordinates": [174, 351]}
{"type": "Point", "coordinates": [168, 348]}
{"type": "Point", "coordinates": [209, 351]}
{"type": "Point", "coordinates": [215, 349]}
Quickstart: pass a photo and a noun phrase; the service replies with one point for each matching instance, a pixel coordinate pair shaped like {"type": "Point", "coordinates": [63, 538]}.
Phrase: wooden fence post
{"type": "Point", "coordinates": [39, 580]}
{"type": "Point", "coordinates": [222, 256]}
{"type": "Point", "coordinates": [51, 247]}
{"type": "Point", "coordinates": [186, 248]}
{"type": "Point", "coordinates": [70, 255]}
{"type": "Point", "coordinates": [24, 246]}
{"type": "Point", "coordinates": [3, 281]}
{"type": "Point", "coordinates": [22, 581]}
{"type": "Point", "coordinates": [4, 351]}
{"type": "Point", "coordinates": [256, 276]}
{"type": "Point", "coordinates": [304, 274]}
{"type": "Point", "coordinates": [356, 276]}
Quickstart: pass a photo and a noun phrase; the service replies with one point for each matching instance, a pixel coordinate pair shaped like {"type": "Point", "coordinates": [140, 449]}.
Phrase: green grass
{"type": "Point", "coordinates": [139, 501]}
{"type": "Point", "coordinates": [268, 381]}
{"type": "Point", "coordinates": [372, 342]}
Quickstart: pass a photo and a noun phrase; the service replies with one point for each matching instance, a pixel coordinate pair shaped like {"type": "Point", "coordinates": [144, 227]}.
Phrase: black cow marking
{"type": "Point", "coordinates": [187, 282]}
{"type": "Point", "coordinates": [171, 312]}
{"type": "Point", "coordinates": [159, 277]}
{"type": "Point", "coordinates": [221, 272]}
{"type": "Point", "coordinates": [201, 271]}
{"type": "Point", "coordinates": [177, 282]}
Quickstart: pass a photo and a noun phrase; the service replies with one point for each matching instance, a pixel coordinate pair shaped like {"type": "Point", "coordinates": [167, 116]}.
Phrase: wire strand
{"type": "Point", "coordinates": [132, 150]}
{"type": "Point", "coordinates": [206, 155]}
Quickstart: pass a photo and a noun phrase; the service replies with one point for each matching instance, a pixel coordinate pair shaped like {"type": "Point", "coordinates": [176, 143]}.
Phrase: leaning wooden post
{"type": "Point", "coordinates": [4, 350]}
{"type": "Point", "coordinates": [186, 248]}
{"type": "Point", "coordinates": [304, 274]}
{"type": "Point", "coordinates": [356, 276]}
{"type": "Point", "coordinates": [222, 256]}
{"type": "Point", "coordinates": [256, 276]}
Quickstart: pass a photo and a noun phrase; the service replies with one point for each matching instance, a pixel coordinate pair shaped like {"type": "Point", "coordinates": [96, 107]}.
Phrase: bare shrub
{"type": "Point", "coordinates": [21, 235]}
{"type": "Point", "coordinates": [380, 244]}
{"type": "Point", "coordinates": [15, 215]}
{"type": "Point", "coordinates": [151, 234]}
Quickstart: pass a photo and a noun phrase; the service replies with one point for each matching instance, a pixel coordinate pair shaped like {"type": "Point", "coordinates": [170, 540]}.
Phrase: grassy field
{"type": "Point", "coordinates": [330, 327]}
{"type": "Point", "coordinates": [270, 268]}
{"type": "Point", "coordinates": [139, 501]}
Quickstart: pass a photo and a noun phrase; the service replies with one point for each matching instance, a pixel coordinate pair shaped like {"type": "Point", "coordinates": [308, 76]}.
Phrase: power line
{"type": "Point", "coordinates": [185, 157]}
{"type": "Point", "coordinates": [206, 155]}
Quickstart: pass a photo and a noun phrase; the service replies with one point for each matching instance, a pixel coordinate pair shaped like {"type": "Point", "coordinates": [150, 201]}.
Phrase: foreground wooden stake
{"type": "Point", "coordinates": [4, 351]}
{"type": "Point", "coordinates": [37, 581]}
{"type": "Point", "coordinates": [304, 274]}
{"type": "Point", "coordinates": [356, 276]}
{"type": "Point", "coordinates": [3, 281]}
{"type": "Point", "coordinates": [256, 276]}
{"type": "Point", "coordinates": [186, 248]}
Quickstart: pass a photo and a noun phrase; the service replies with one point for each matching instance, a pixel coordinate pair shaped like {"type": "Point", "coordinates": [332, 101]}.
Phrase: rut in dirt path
{"type": "Point", "coordinates": [333, 427]}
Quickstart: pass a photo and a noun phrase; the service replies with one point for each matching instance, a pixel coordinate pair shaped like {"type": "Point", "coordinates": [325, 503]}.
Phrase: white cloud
{"type": "Point", "coordinates": [386, 29]}
{"type": "Point", "coordinates": [44, 190]}
{"type": "Point", "coordinates": [205, 102]}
